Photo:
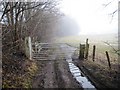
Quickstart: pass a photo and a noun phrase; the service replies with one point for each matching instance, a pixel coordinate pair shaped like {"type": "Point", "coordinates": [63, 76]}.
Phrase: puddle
{"type": "Point", "coordinates": [78, 75]}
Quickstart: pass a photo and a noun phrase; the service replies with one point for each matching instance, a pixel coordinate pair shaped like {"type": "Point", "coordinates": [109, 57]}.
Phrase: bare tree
{"type": "Point", "coordinates": [21, 17]}
{"type": "Point", "coordinates": [112, 14]}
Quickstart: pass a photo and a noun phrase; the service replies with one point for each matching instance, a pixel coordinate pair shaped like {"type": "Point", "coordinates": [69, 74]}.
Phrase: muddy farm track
{"type": "Point", "coordinates": [53, 70]}
{"type": "Point", "coordinates": [56, 69]}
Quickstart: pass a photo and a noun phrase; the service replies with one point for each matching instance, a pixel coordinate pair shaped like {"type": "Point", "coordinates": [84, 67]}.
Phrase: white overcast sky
{"type": "Point", "coordinates": [91, 15]}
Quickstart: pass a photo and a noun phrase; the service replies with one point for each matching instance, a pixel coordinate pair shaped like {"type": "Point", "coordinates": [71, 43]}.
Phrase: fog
{"type": "Point", "coordinates": [92, 16]}
{"type": "Point", "coordinates": [67, 26]}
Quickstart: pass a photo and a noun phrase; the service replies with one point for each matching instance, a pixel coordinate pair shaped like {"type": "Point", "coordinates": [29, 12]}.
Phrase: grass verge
{"type": "Point", "coordinates": [17, 72]}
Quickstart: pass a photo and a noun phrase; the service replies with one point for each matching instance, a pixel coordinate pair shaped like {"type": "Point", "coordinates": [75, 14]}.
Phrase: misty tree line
{"type": "Point", "coordinates": [22, 19]}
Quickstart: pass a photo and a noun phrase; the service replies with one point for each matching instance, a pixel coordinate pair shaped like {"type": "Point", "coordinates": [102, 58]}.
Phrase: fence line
{"type": "Point", "coordinates": [104, 58]}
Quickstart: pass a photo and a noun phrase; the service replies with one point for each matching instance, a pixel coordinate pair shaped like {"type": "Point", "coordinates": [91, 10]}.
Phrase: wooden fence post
{"type": "Point", "coordinates": [86, 49]}
{"type": "Point", "coordinates": [28, 47]}
{"type": "Point", "coordinates": [93, 57]}
{"type": "Point", "coordinates": [108, 58]}
{"type": "Point", "coordinates": [81, 52]}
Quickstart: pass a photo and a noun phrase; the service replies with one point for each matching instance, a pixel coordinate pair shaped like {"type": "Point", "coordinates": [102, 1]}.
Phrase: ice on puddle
{"type": "Point", "coordinates": [77, 74]}
{"type": "Point", "coordinates": [85, 83]}
{"type": "Point", "coordinates": [79, 77]}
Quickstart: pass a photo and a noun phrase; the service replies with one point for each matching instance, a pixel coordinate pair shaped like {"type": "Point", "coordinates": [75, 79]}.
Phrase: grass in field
{"type": "Point", "coordinates": [72, 40]}
{"type": "Point", "coordinates": [98, 40]}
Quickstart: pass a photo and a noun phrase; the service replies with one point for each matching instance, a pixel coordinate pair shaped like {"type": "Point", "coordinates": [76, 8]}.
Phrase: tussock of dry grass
{"type": "Point", "coordinates": [18, 72]}
{"type": "Point", "coordinates": [108, 77]}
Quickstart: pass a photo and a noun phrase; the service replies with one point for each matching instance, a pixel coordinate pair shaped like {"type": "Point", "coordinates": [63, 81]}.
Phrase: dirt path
{"type": "Point", "coordinates": [55, 73]}
{"type": "Point", "coordinates": [50, 80]}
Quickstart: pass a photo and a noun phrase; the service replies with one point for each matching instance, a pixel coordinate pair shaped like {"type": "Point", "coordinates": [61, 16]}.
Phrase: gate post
{"type": "Point", "coordinates": [82, 50]}
{"type": "Point", "coordinates": [86, 49]}
{"type": "Point", "coordinates": [28, 47]}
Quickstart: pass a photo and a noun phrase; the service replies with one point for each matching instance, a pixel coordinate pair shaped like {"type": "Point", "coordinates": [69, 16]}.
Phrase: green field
{"type": "Point", "coordinates": [98, 40]}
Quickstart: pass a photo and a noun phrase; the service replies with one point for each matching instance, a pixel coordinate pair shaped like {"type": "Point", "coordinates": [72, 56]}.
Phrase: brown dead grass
{"type": "Point", "coordinates": [17, 72]}
{"type": "Point", "coordinates": [103, 75]}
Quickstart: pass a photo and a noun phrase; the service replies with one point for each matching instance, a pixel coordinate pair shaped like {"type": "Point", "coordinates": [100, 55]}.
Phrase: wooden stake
{"type": "Point", "coordinates": [82, 50]}
{"type": "Point", "coordinates": [94, 47]}
{"type": "Point", "coordinates": [86, 49]}
{"type": "Point", "coordinates": [108, 58]}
